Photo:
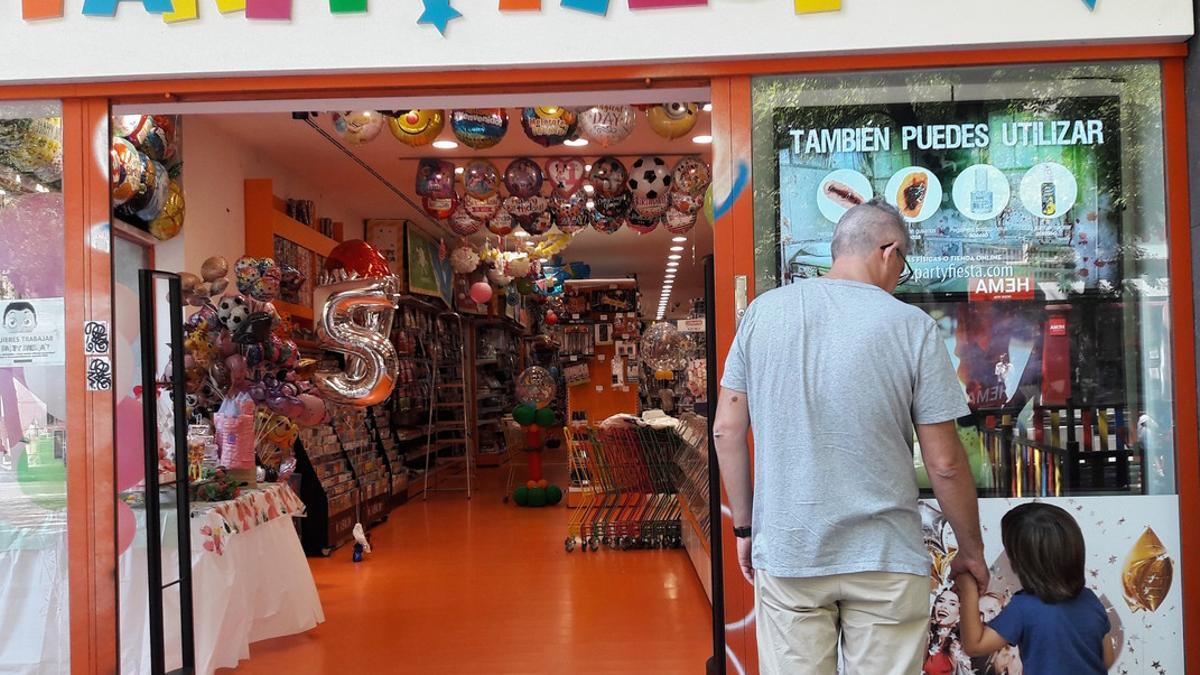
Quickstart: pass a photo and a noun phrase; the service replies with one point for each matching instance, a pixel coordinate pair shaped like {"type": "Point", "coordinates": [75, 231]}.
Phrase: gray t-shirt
{"type": "Point", "coordinates": [836, 374]}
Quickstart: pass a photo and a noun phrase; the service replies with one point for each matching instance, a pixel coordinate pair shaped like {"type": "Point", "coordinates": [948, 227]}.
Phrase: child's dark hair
{"type": "Point", "coordinates": [1045, 546]}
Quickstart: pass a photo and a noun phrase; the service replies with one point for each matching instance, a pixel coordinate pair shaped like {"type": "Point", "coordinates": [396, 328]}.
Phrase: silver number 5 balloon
{"type": "Point", "coordinates": [356, 319]}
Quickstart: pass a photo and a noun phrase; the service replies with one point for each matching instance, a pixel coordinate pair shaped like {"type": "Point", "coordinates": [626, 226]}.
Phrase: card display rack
{"type": "Point", "coordinates": [497, 357]}
{"type": "Point", "coordinates": [358, 443]}
{"type": "Point", "coordinates": [327, 487]}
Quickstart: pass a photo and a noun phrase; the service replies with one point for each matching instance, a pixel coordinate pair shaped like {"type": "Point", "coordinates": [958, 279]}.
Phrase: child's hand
{"type": "Point", "coordinates": [965, 584]}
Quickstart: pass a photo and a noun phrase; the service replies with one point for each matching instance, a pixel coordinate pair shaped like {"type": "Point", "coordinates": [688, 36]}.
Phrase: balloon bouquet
{"type": "Point", "coordinates": [242, 370]}
{"type": "Point", "coordinates": [536, 388]}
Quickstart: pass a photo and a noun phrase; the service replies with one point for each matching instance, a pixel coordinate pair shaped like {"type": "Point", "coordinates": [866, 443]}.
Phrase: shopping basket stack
{"type": "Point", "coordinates": [624, 473]}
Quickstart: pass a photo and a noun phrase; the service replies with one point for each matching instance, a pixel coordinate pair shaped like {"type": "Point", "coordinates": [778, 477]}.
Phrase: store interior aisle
{"type": "Point", "coordinates": [480, 586]}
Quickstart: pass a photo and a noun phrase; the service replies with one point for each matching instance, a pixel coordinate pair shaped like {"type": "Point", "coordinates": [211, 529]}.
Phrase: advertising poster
{"type": "Point", "coordinates": [428, 272]}
{"type": "Point", "coordinates": [31, 332]}
{"type": "Point", "coordinates": [1003, 198]}
{"type": "Point", "coordinates": [1132, 566]}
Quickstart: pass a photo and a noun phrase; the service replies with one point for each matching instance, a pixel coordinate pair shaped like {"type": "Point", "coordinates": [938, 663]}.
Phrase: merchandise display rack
{"type": "Point", "coordinates": [448, 434]}
{"type": "Point", "coordinates": [379, 424]}
{"type": "Point", "coordinates": [327, 487]}
{"type": "Point", "coordinates": [497, 360]}
{"type": "Point", "coordinates": [362, 452]}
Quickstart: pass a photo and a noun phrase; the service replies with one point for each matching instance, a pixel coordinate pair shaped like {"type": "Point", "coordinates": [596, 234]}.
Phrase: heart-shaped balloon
{"type": "Point", "coordinates": [566, 174]}
{"type": "Point", "coordinates": [483, 209]}
{"type": "Point", "coordinates": [435, 179]}
{"type": "Point", "coordinates": [258, 278]}
{"type": "Point", "coordinates": [523, 178]}
{"type": "Point", "coordinates": [480, 178]}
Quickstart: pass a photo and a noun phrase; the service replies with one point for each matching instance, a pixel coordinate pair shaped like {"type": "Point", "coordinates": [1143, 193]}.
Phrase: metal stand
{"type": "Point", "coordinates": [468, 457]}
{"type": "Point", "coordinates": [716, 665]}
{"type": "Point", "coordinates": [154, 572]}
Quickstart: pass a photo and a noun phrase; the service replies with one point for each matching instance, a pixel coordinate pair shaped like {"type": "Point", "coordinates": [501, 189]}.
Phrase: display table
{"type": "Point", "coordinates": [250, 582]}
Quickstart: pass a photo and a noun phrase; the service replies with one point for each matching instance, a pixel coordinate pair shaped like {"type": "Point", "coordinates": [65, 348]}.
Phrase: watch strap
{"type": "Point", "coordinates": [742, 532]}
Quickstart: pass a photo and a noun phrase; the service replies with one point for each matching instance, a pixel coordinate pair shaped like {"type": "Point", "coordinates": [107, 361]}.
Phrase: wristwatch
{"type": "Point", "coordinates": [742, 532]}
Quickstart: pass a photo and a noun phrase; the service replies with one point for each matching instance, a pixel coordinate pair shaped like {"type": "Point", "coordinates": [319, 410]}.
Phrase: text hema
{"type": "Point", "coordinates": [948, 136]}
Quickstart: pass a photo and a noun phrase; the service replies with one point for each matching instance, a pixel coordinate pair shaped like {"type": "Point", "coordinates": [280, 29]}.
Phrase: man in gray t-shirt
{"type": "Point", "coordinates": [835, 375]}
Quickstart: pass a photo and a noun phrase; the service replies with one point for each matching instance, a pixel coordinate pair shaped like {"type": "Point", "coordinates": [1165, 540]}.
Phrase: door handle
{"type": "Point", "coordinates": [739, 298]}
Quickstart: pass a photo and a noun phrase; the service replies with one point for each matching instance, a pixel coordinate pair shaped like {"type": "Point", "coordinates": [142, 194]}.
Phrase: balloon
{"type": "Point", "coordinates": [672, 120]}
{"type": "Point", "coordinates": [255, 328]}
{"type": "Point", "coordinates": [535, 386]}
{"type": "Point", "coordinates": [480, 178]}
{"type": "Point", "coordinates": [464, 260]}
{"type": "Point", "coordinates": [480, 128]}
{"type": "Point", "coordinates": [607, 125]}
{"type": "Point", "coordinates": [614, 207]}
{"type": "Point", "coordinates": [548, 125]}
{"type": "Point", "coordinates": [569, 212]}
{"type": "Point", "coordinates": [416, 127]}
{"type": "Point", "coordinates": [435, 178]}
{"type": "Point", "coordinates": [481, 292]}
{"type": "Point", "coordinates": [358, 127]}
{"type": "Point", "coordinates": [609, 177]}
{"type": "Point", "coordinates": [236, 363]}
{"type": "Point", "coordinates": [501, 224]}
{"type": "Point", "coordinates": [526, 211]}
{"type": "Point", "coordinates": [440, 207]}
{"type": "Point", "coordinates": [356, 320]}
{"type": "Point", "coordinates": [188, 282]}
{"type": "Point", "coordinates": [545, 417]}
{"type": "Point", "coordinates": [523, 178]}
{"type": "Point", "coordinates": [258, 277]}
{"type": "Point", "coordinates": [691, 176]}
{"type": "Point", "coordinates": [708, 206]}
{"type": "Point", "coordinates": [147, 203]}
{"type": "Point", "coordinates": [314, 410]}
{"type": "Point", "coordinates": [288, 406]}
{"type": "Point", "coordinates": [650, 179]}
{"type": "Point", "coordinates": [358, 257]}
{"type": "Point", "coordinates": [566, 175]}
{"type": "Point", "coordinates": [462, 222]}
{"type": "Point", "coordinates": [214, 268]}
{"type": "Point", "coordinates": [608, 225]}
{"type": "Point", "coordinates": [686, 203]}
{"type": "Point", "coordinates": [482, 209]}
{"type": "Point", "coordinates": [170, 221]}
{"type": "Point", "coordinates": [678, 222]}
{"type": "Point", "coordinates": [643, 225]}
{"type": "Point", "coordinates": [153, 135]}
{"type": "Point", "coordinates": [128, 169]}
{"type": "Point", "coordinates": [291, 279]}
{"type": "Point", "coordinates": [541, 224]}
{"type": "Point", "coordinates": [524, 415]}
{"type": "Point", "coordinates": [1147, 573]}
{"type": "Point", "coordinates": [663, 347]}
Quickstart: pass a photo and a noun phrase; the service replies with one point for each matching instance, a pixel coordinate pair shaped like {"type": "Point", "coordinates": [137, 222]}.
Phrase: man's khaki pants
{"type": "Point", "coordinates": [882, 619]}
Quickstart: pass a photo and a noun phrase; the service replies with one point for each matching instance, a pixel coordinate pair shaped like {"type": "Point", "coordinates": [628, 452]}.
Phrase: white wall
{"type": "Point", "coordinates": [214, 171]}
{"type": "Point", "coordinates": [138, 45]}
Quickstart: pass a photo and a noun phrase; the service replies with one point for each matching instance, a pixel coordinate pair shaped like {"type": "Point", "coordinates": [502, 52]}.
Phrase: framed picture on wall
{"type": "Point", "coordinates": [388, 237]}
{"type": "Point", "coordinates": [428, 273]}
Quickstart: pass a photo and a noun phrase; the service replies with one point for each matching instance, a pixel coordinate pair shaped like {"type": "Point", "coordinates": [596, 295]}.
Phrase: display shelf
{"type": "Point", "coordinates": [362, 451]}
{"type": "Point", "coordinates": [327, 488]}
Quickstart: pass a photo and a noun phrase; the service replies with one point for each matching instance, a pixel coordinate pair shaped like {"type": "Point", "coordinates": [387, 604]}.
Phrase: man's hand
{"type": "Point", "coordinates": [743, 551]}
{"type": "Point", "coordinates": [965, 563]}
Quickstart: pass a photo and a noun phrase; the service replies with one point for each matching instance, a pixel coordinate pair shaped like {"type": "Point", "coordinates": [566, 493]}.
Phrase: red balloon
{"type": "Point", "coordinates": [551, 318]}
{"type": "Point", "coordinates": [360, 257]}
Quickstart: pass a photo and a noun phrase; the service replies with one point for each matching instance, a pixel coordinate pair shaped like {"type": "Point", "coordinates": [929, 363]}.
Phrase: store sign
{"type": "Point", "coordinates": [691, 325]}
{"type": "Point", "coordinates": [31, 332]}
{"type": "Point", "coordinates": [1001, 288]}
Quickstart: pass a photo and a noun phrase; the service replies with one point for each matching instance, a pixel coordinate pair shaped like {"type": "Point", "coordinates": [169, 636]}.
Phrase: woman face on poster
{"type": "Point", "coordinates": [990, 606]}
{"type": "Point", "coordinates": [945, 609]}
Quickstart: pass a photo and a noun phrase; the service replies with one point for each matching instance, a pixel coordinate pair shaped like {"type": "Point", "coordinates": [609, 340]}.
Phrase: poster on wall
{"type": "Point", "coordinates": [1132, 567]}
{"type": "Point", "coordinates": [428, 272]}
{"type": "Point", "coordinates": [1003, 198]}
{"type": "Point", "coordinates": [388, 237]}
{"type": "Point", "coordinates": [31, 332]}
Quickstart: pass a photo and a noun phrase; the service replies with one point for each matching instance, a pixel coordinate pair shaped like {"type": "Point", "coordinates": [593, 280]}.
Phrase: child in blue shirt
{"type": "Point", "coordinates": [1058, 624]}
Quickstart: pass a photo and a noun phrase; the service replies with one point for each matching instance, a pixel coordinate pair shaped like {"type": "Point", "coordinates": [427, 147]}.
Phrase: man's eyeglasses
{"type": "Point", "coordinates": [908, 273]}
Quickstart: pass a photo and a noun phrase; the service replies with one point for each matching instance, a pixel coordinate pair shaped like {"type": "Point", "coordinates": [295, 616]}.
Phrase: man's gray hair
{"type": "Point", "coordinates": [866, 227]}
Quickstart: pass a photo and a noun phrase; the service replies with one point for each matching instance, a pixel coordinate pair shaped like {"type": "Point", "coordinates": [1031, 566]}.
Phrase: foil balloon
{"type": "Point", "coordinates": [540, 225]}
{"type": "Point", "coordinates": [548, 125]}
{"type": "Point", "coordinates": [435, 178]}
{"type": "Point", "coordinates": [482, 209]}
{"type": "Point", "coordinates": [314, 410]}
{"type": "Point", "coordinates": [663, 347]}
{"type": "Point", "coordinates": [462, 222]}
{"type": "Point", "coordinates": [607, 125]}
{"type": "Point", "coordinates": [501, 224]}
{"type": "Point", "coordinates": [566, 175]}
{"type": "Point", "coordinates": [154, 135]}
{"type": "Point", "coordinates": [609, 177]}
{"type": "Point", "coordinates": [170, 221]}
{"type": "Point", "coordinates": [525, 211]}
{"type": "Point", "coordinates": [148, 205]}
{"type": "Point", "coordinates": [464, 260]}
{"type": "Point", "coordinates": [480, 128]}
{"type": "Point", "coordinates": [358, 127]}
{"type": "Point", "coordinates": [1147, 574]}
{"type": "Point", "coordinates": [416, 127]}
{"type": "Point", "coordinates": [258, 278]}
{"type": "Point", "coordinates": [708, 206]}
{"type": "Point", "coordinates": [643, 225]}
{"type": "Point", "coordinates": [356, 320]}
{"type": "Point", "coordinates": [672, 120]}
{"type": "Point", "coordinates": [358, 258]}
{"type": "Point", "coordinates": [214, 268]}
{"type": "Point", "coordinates": [291, 280]}
{"type": "Point", "coordinates": [606, 225]}
{"type": "Point", "coordinates": [523, 178]}
{"type": "Point", "coordinates": [536, 386]}
{"type": "Point", "coordinates": [569, 211]}
{"type": "Point", "coordinates": [127, 167]}
{"type": "Point", "coordinates": [440, 207]}
{"type": "Point", "coordinates": [649, 178]}
{"type": "Point", "coordinates": [686, 203]}
{"type": "Point", "coordinates": [232, 311]}
{"type": "Point", "coordinates": [614, 207]}
{"type": "Point", "coordinates": [691, 176]}
{"type": "Point", "coordinates": [678, 222]}
{"type": "Point", "coordinates": [480, 178]}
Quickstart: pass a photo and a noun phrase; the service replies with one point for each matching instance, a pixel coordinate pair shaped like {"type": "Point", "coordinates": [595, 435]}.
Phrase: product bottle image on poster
{"type": "Point", "coordinates": [1049, 205]}
{"type": "Point", "coordinates": [981, 196]}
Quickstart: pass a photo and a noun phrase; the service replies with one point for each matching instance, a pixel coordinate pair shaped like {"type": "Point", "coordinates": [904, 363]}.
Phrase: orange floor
{"type": "Point", "coordinates": [479, 586]}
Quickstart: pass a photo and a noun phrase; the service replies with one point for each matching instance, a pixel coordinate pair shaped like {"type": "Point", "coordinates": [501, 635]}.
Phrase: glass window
{"type": "Point", "coordinates": [33, 472]}
{"type": "Point", "coordinates": [1035, 199]}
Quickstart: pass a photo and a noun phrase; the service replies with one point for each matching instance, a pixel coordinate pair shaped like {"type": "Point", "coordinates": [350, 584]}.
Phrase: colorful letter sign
{"type": "Point", "coordinates": [814, 6]}
{"type": "Point", "coordinates": [32, 10]}
{"type": "Point", "coordinates": [109, 7]}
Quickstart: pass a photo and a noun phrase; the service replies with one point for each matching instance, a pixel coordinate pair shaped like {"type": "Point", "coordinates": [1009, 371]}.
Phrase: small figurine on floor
{"type": "Point", "coordinates": [361, 543]}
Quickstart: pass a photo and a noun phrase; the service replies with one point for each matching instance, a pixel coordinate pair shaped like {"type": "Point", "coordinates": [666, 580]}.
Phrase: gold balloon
{"type": "Point", "coordinates": [214, 268]}
{"type": "Point", "coordinates": [1147, 574]}
{"type": "Point", "coordinates": [170, 221]}
{"type": "Point", "coordinates": [416, 127]}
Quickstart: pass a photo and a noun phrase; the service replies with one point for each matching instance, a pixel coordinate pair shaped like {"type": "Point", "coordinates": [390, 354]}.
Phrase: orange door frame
{"type": "Point", "coordinates": [85, 107]}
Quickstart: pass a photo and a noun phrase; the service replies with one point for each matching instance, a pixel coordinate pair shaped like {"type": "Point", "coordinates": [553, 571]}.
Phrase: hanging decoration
{"type": "Point", "coordinates": [359, 127]}
{"type": "Point", "coordinates": [435, 178]}
{"type": "Point", "coordinates": [479, 128]}
{"type": "Point", "coordinates": [609, 177]}
{"type": "Point", "coordinates": [523, 178]}
{"type": "Point", "coordinates": [526, 211]}
{"type": "Point", "coordinates": [438, 13]}
{"type": "Point", "coordinates": [548, 125]}
{"type": "Point", "coordinates": [672, 120]}
{"type": "Point", "coordinates": [464, 260]}
{"type": "Point", "coordinates": [501, 224]}
{"type": "Point", "coordinates": [440, 208]}
{"type": "Point", "coordinates": [480, 178]}
{"type": "Point", "coordinates": [607, 125]}
{"type": "Point", "coordinates": [416, 127]}
{"type": "Point", "coordinates": [170, 221]}
{"type": "Point", "coordinates": [570, 212]}
{"type": "Point", "coordinates": [462, 222]}
{"type": "Point", "coordinates": [566, 175]}
{"type": "Point", "coordinates": [483, 209]}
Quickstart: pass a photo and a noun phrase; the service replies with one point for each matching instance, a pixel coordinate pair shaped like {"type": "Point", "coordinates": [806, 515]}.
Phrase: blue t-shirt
{"type": "Point", "coordinates": [1066, 637]}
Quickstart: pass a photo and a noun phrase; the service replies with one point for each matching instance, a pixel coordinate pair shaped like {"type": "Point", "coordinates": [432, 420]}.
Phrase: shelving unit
{"type": "Point", "coordinates": [380, 426]}
{"type": "Point", "coordinates": [362, 452]}
{"type": "Point", "coordinates": [327, 487]}
{"type": "Point", "coordinates": [450, 436]}
{"type": "Point", "coordinates": [497, 360]}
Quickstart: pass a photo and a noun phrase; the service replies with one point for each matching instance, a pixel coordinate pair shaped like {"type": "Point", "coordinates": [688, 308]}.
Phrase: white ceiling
{"type": "Point", "coordinates": [294, 143]}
